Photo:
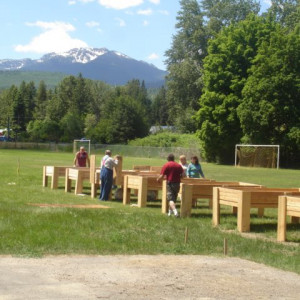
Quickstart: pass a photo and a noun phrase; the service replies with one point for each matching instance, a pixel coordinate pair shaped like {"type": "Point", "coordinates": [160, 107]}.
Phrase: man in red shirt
{"type": "Point", "coordinates": [81, 158]}
{"type": "Point", "coordinates": [173, 172]}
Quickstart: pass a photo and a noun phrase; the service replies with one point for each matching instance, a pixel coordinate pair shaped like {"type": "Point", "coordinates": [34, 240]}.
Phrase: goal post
{"type": "Point", "coordinates": [79, 143]}
{"type": "Point", "coordinates": [265, 156]}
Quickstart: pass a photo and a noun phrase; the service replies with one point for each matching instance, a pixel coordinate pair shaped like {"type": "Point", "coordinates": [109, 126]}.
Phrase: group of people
{"type": "Point", "coordinates": [106, 170]}
{"type": "Point", "coordinates": [171, 171]}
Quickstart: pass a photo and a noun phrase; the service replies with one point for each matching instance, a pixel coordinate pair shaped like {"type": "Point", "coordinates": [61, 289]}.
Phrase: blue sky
{"type": "Point", "coordinates": [141, 29]}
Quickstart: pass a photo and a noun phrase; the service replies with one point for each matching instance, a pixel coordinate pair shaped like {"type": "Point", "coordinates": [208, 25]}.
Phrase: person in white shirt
{"type": "Point", "coordinates": [183, 163]}
{"type": "Point", "coordinates": [106, 174]}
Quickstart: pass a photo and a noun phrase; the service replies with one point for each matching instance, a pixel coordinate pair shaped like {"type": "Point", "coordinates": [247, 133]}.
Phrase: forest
{"type": "Point", "coordinates": [233, 77]}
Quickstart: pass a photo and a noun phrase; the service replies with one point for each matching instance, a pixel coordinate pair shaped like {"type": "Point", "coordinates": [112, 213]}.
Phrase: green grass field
{"type": "Point", "coordinates": [34, 231]}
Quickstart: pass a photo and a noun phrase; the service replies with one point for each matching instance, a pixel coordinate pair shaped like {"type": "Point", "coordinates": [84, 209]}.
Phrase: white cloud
{"type": "Point", "coordinates": [154, 1]}
{"type": "Point", "coordinates": [145, 12]}
{"type": "Point", "coordinates": [72, 2]}
{"type": "Point", "coordinates": [145, 23]}
{"type": "Point", "coordinates": [164, 12]}
{"type": "Point", "coordinates": [121, 22]}
{"type": "Point", "coordinates": [55, 38]}
{"type": "Point", "coordinates": [153, 56]}
{"type": "Point", "coordinates": [86, 1]}
{"type": "Point", "coordinates": [120, 4]}
{"type": "Point", "coordinates": [92, 24]}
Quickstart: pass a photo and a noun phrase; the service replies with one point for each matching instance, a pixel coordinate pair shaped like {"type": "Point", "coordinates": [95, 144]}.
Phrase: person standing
{"type": "Point", "coordinates": [173, 172]}
{"type": "Point", "coordinates": [106, 174]}
{"type": "Point", "coordinates": [194, 169]}
{"type": "Point", "coordinates": [81, 158]}
{"type": "Point", "coordinates": [183, 163]}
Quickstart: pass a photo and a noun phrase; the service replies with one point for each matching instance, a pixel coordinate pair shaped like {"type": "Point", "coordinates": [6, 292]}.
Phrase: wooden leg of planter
{"type": "Point", "coordinates": [164, 200]}
{"type": "Point", "coordinates": [126, 191]}
{"type": "Point", "coordinates": [281, 224]}
{"type": "Point", "coordinates": [78, 185]}
{"type": "Point", "coordinates": [142, 194]}
{"type": "Point", "coordinates": [260, 212]}
{"type": "Point", "coordinates": [216, 207]}
{"type": "Point", "coordinates": [244, 212]}
{"type": "Point", "coordinates": [94, 188]}
{"type": "Point", "coordinates": [54, 183]}
{"type": "Point", "coordinates": [68, 182]}
{"type": "Point", "coordinates": [186, 200]}
{"type": "Point", "coordinates": [45, 177]}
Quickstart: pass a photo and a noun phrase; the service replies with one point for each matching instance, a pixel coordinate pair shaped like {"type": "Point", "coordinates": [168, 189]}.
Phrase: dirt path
{"type": "Point", "coordinates": [143, 277]}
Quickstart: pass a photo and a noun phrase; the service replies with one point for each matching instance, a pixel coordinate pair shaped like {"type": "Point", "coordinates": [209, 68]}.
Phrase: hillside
{"type": "Point", "coordinates": [9, 78]}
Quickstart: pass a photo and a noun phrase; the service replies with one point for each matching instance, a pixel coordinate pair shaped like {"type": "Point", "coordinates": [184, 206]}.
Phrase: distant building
{"type": "Point", "coordinates": [3, 131]}
{"type": "Point", "coordinates": [156, 129]}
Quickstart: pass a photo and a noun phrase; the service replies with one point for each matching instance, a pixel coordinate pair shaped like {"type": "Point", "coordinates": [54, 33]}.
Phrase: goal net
{"type": "Point", "coordinates": [264, 156]}
{"type": "Point", "coordinates": [82, 143]}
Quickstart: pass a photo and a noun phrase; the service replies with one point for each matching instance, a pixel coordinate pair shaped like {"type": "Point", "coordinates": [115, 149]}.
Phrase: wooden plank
{"type": "Point", "coordinates": [243, 213]}
{"type": "Point", "coordinates": [155, 169]}
{"type": "Point", "coordinates": [216, 206]}
{"type": "Point", "coordinates": [281, 224]}
{"type": "Point", "coordinates": [142, 194]}
{"type": "Point", "coordinates": [45, 177]}
{"type": "Point", "coordinates": [126, 191]}
{"type": "Point", "coordinates": [118, 176]}
{"type": "Point", "coordinates": [54, 182]}
{"type": "Point", "coordinates": [164, 205]}
{"type": "Point", "coordinates": [92, 169]}
{"type": "Point", "coordinates": [68, 181]}
{"type": "Point", "coordinates": [186, 200]}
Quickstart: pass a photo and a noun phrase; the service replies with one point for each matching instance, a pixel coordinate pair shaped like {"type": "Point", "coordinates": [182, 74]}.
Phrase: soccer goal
{"type": "Point", "coordinates": [264, 156]}
{"type": "Point", "coordinates": [79, 143]}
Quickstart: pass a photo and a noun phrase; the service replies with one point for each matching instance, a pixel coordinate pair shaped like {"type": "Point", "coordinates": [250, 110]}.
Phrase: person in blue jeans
{"type": "Point", "coordinates": [194, 169]}
{"type": "Point", "coordinates": [106, 174]}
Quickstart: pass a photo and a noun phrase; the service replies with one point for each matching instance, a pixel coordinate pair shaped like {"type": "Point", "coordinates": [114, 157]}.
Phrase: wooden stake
{"type": "Point", "coordinates": [18, 168]}
{"type": "Point", "coordinates": [225, 246]}
{"type": "Point", "coordinates": [186, 235]}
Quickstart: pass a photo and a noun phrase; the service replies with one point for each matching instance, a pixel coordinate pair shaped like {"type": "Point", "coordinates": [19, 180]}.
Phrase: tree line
{"type": "Point", "coordinates": [76, 108]}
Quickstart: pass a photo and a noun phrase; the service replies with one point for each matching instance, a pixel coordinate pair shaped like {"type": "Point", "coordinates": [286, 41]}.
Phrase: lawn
{"type": "Point", "coordinates": [37, 231]}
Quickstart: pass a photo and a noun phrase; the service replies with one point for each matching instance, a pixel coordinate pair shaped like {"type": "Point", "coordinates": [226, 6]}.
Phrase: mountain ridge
{"type": "Point", "coordinates": [112, 67]}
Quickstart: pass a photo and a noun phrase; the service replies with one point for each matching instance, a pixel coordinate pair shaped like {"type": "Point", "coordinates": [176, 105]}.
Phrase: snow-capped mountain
{"type": "Point", "coordinates": [95, 63]}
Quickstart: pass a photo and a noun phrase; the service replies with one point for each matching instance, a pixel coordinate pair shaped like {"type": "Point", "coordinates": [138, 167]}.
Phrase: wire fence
{"type": "Point", "coordinates": [124, 150]}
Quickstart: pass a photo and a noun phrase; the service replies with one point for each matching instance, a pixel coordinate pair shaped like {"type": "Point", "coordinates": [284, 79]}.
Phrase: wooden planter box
{"type": "Point", "coordinates": [54, 172]}
{"type": "Point", "coordinates": [141, 183]}
{"type": "Point", "coordinates": [244, 200]}
{"type": "Point", "coordinates": [79, 175]}
{"type": "Point", "coordinates": [287, 206]}
{"type": "Point", "coordinates": [204, 190]}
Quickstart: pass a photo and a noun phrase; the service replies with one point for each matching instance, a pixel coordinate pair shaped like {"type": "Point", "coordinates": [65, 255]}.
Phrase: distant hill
{"type": "Point", "coordinates": [8, 78]}
{"type": "Point", "coordinates": [95, 63]}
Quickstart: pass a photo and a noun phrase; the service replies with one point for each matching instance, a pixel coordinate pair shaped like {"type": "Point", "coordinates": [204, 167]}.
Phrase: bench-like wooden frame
{"type": "Point", "coordinates": [54, 172]}
{"type": "Point", "coordinates": [204, 190]}
{"type": "Point", "coordinates": [244, 199]}
{"type": "Point", "coordinates": [287, 206]}
{"type": "Point", "coordinates": [78, 175]}
{"type": "Point", "coordinates": [141, 183]}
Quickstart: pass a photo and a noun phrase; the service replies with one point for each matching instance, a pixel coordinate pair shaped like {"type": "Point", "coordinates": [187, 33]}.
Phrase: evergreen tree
{"type": "Point", "coordinates": [41, 101]}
